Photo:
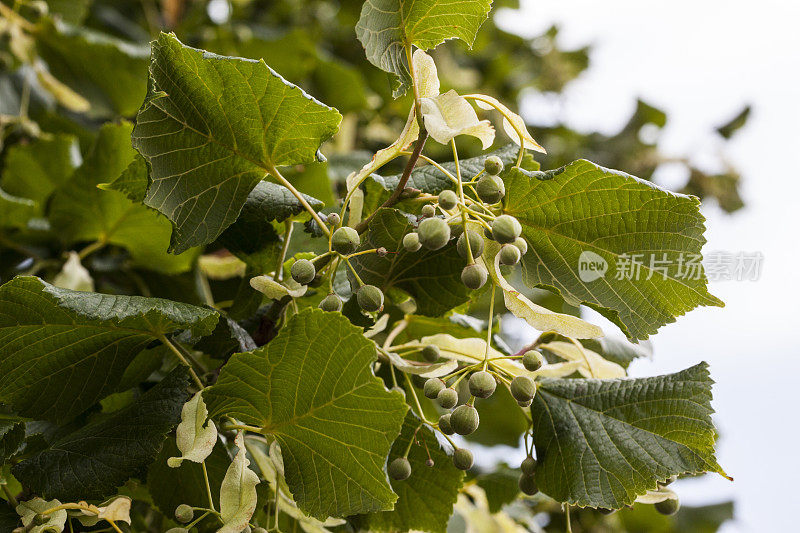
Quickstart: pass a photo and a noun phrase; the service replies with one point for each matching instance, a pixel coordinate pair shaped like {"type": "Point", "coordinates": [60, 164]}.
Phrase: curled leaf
{"type": "Point", "coordinates": [537, 316]}
{"type": "Point", "coordinates": [116, 510]}
{"type": "Point", "coordinates": [274, 290]}
{"type": "Point", "coordinates": [195, 438]}
{"type": "Point", "coordinates": [448, 115]}
{"type": "Point", "coordinates": [74, 275]}
{"type": "Point", "coordinates": [237, 494]}
{"type": "Point", "coordinates": [591, 364]}
{"type": "Point", "coordinates": [513, 124]}
{"type": "Point", "coordinates": [656, 496]}
{"type": "Point", "coordinates": [425, 370]}
{"type": "Point", "coordinates": [29, 511]}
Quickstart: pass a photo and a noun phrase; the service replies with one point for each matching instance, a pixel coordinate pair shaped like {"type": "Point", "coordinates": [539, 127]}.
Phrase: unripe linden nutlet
{"type": "Point", "coordinates": [427, 211]}
{"type": "Point", "coordinates": [523, 388]}
{"type": "Point", "coordinates": [482, 384]}
{"type": "Point", "coordinates": [474, 276]}
{"type": "Point", "coordinates": [400, 469]}
{"type": "Point", "coordinates": [433, 233]}
{"type": "Point", "coordinates": [432, 388]}
{"type": "Point", "coordinates": [370, 298]}
{"type": "Point", "coordinates": [411, 242]}
{"type": "Point", "coordinates": [475, 244]}
{"type": "Point", "coordinates": [532, 360]}
{"type": "Point", "coordinates": [465, 419]}
{"type": "Point", "coordinates": [431, 353]}
{"type": "Point", "coordinates": [448, 199]}
{"type": "Point", "coordinates": [462, 458]}
{"type": "Point", "coordinates": [303, 271]}
{"type": "Point", "coordinates": [345, 240]}
{"type": "Point", "coordinates": [528, 465]}
{"type": "Point", "coordinates": [444, 424]}
{"type": "Point", "coordinates": [447, 398]}
{"type": "Point", "coordinates": [490, 189]}
{"type": "Point", "coordinates": [522, 244]}
{"type": "Point", "coordinates": [184, 513]}
{"type": "Point", "coordinates": [668, 507]}
{"type": "Point", "coordinates": [331, 303]}
{"type": "Point", "coordinates": [334, 219]}
{"type": "Point", "coordinates": [506, 229]}
{"type": "Point", "coordinates": [493, 165]}
{"type": "Point", "coordinates": [509, 255]}
{"type": "Point", "coordinates": [527, 484]}
{"type": "Point", "coordinates": [526, 403]}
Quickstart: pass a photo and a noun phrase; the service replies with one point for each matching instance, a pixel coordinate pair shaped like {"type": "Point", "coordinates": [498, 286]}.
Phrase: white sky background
{"type": "Point", "coordinates": [701, 61]}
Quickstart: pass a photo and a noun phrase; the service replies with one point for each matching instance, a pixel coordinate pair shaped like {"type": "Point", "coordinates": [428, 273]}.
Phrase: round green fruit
{"type": "Point", "coordinates": [528, 466]}
{"type": "Point", "coordinates": [331, 303]}
{"type": "Point", "coordinates": [431, 353]}
{"type": "Point", "coordinates": [526, 403]}
{"type": "Point", "coordinates": [334, 219]}
{"type": "Point", "coordinates": [527, 484]}
{"type": "Point", "coordinates": [400, 469]}
{"type": "Point", "coordinates": [465, 419]}
{"type": "Point", "coordinates": [303, 271]}
{"type": "Point", "coordinates": [493, 165]}
{"type": "Point", "coordinates": [370, 298]}
{"type": "Point", "coordinates": [444, 424]}
{"type": "Point", "coordinates": [427, 211]}
{"type": "Point", "coordinates": [448, 199]}
{"type": "Point", "coordinates": [345, 240]}
{"type": "Point", "coordinates": [411, 242]}
{"type": "Point", "coordinates": [432, 388]}
{"type": "Point", "coordinates": [532, 360]}
{"type": "Point", "coordinates": [184, 513]}
{"type": "Point", "coordinates": [668, 507]}
{"type": "Point", "coordinates": [509, 255]}
{"type": "Point", "coordinates": [462, 458]}
{"type": "Point", "coordinates": [490, 189]}
{"type": "Point", "coordinates": [433, 233]}
{"type": "Point", "coordinates": [475, 244]}
{"type": "Point", "coordinates": [447, 398]}
{"type": "Point", "coordinates": [522, 244]}
{"type": "Point", "coordinates": [506, 229]}
{"type": "Point", "coordinates": [474, 276]}
{"type": "Point", "coordinates": [482, 384]}
{"type": "Point", "coordinates": [523, 388]}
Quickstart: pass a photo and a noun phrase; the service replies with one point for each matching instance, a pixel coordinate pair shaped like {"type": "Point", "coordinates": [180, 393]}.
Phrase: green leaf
{"type": "Point", "coordinates": [108, 72]}
{"type": "Point", "coordinates": [601, 443]}
{"type": "Point", "coordinates": [61, 351]}
{"type": "Point", "coordinates": [12, 435]}
{"type": "Point", "coordinates": [83, 212]}
{"type": "Point", "coordinates": [425, 500]}
{"type": "Point", "coordinates": [583, 208]}
{"type": "Point", "coordinates": [432, 278]}
{"type": "Point", "coordinates": [35, 170]}
{"type": "Point", "coordinates": [92, 461]}
{"type": "Point", "coordinates": [387, 28]}
{"type": "Point", "coordinates": [501, 486]}
{"type": "Point", "coordinates": [211, 127]}
{"type": "Point", "coordinates": [253, 238]}
{"type": "Point", "coordinates": [132, 182]}
{"type": "Point", "coordinates": [15, 212]}
{"type": "Point", "coordinates": [313, 390]}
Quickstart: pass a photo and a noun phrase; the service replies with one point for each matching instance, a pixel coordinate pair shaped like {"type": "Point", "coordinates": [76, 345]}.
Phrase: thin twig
{"type": "Point", "coordinates": [398, 191]}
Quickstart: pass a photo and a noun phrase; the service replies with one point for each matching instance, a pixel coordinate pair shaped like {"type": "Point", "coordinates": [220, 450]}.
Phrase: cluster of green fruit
{"type": "Point", "coordinates": [344, 242]}
{"type": "Point", "coordinates": [434, 232]}
{"type": "Point", "coordinates": [464, 419]}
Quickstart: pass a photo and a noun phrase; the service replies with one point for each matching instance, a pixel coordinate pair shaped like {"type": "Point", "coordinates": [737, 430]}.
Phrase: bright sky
{"type": "Point", "coordinates": [701, 61]}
